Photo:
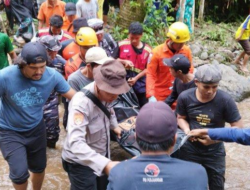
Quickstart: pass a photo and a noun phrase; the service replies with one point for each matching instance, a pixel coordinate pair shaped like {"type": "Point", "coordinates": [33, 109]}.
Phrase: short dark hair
{"type": "Point", "coordinates": [56, 20]}
{"type": "Point", "coordinates": [162, 146]}
{"type": "Point", "coordinates": [183, 70]}
{"type": "Point", "coordinates": [135, 28]}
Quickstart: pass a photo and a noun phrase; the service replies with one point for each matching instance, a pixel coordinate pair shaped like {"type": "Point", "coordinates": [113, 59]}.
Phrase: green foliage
{"type": "Point", "coordinates": [154, 25]}
{"type": "Point", "coordinates": [134, 4]}
{"type": "Point", "coordinates": [119, 34]}
{"type": "Point", "coordinates": [224, 10]}
{"type": "Point", "coordinates": [221, 34]}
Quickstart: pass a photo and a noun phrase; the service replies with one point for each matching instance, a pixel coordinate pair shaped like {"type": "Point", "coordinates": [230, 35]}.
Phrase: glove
{"type": "Point", "coordinates": [152, 99]}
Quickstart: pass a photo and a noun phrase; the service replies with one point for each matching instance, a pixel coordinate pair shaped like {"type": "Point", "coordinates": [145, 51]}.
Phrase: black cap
{"type": "Point", "coordinates": [78, 23]}
{"type": "Point", "coordinates": [50, 43]}
{"type": "Point", "coordinates": [208, 74]}
{"type": "Point", "coordinates": [56, 20]}
{"type": "Point", "coordinates": [156, 123]}
{"type": "Point", "coordinates": [34, 52]}
{"type": "Point", "coordinates": [178, 62]}
{"type": "Point", "coordinates": [70, 8]}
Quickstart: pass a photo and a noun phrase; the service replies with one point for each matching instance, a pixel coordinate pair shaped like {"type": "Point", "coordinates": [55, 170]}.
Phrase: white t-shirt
{"type": "Point", "coordinates": [87, 10]}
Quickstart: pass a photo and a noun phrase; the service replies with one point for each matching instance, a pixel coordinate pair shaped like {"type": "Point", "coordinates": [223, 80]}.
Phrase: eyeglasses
{"type": "Point", "coordinates": [98, 28]}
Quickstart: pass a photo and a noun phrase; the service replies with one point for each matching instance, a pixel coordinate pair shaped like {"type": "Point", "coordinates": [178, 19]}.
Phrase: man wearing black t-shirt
{"type": "Point", "coordinates": [179, 67]}
{"type": "Point", "coordinates": [207, 107]}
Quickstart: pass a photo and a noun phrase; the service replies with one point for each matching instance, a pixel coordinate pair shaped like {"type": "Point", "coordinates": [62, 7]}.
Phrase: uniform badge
{"type": "Point", "coordinates": [78, 118]}
{"type": "Point", "coordinates": [152, 170]}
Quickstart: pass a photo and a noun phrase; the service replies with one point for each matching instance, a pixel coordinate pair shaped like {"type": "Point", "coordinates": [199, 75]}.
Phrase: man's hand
{"type": "Point", "coordinates": [205, 140]}
{"type": "Point", "coordinates": [198, 132]}
{"type": "Point", "coordinates": [109, 166]}
{"type": "Point", "coordinates": [132, 81]}
{"type": "Point", "coordinates": [186, 131]}
{"type": "Point", "coordinates": [118, 132]}
{"type": "Point", "coordinates": [127, 63]}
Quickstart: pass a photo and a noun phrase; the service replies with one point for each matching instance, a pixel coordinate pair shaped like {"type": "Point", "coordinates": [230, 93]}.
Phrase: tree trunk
{"type": "Point", "coordinates": [201, 10]}
{"type": "Point", "coordinates": [193, 15]}
{"type": "Point", "coordinates": [2, 24]}
{"type": "Point", "coordinates": [182, 10]}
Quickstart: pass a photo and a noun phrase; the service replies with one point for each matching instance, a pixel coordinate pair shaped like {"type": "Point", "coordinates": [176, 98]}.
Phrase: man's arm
{"type": "Point", "coordinates": [69, 95]}
{"type": "Point", "coordinates": [126, 63]}
{"type": "Point", "coordinates": [173, 96]}
{"type": "Point", "coordinates": [183, 124]}
{"type": "Point", "coordinates": [241, 136]}
{"type": "Point", "coordinates": [237, 124]}
{"type": "Point", "coordinates": [109, 166]}
{"type": "Point", "coordinates": [9, 48]}
{"type": "Point", "coordinates": [40, 24]}
{"type": "Point", "coordinates": [151, 74]}
{"type": "Point", "coordinates": [12, 55]}
{"type": "Point", "coordinates": [41, 17]}
{"type": "Point", "coordinates": [133, 80]}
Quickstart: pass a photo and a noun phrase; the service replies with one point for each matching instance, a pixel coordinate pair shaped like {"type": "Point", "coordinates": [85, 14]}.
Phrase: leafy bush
{"type": "Point", "coordinates": [155, 23]}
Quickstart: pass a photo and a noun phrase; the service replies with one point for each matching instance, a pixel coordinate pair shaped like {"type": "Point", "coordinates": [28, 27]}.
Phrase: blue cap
{"type": "Point", "coordinates": [156, 123]}
{"type": "Point", "coordinates": [34, 52]}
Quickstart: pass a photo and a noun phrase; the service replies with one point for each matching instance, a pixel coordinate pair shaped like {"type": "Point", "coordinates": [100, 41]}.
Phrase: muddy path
{"type": "Point", "coordinates": [237, 160]}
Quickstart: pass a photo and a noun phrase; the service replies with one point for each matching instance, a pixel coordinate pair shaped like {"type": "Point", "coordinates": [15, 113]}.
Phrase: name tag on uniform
{"type": "Point", "coordinates": [126, 50]}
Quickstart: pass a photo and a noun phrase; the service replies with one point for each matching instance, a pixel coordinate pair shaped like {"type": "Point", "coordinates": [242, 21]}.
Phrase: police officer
{"type": "Point", "coordinates": [86, 149]}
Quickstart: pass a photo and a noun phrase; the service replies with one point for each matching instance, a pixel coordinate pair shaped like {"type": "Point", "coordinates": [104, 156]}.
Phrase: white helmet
{"type": "Point", "coordinates": [96, 24]}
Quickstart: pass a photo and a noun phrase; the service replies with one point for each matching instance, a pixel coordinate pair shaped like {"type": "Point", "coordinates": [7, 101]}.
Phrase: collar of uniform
{"type": "Point", "coordinates": [48, 5]}
{"type": "Point", "coordinates": [91, 88]}
{"type": "Point", "coordinates": [165, 46]}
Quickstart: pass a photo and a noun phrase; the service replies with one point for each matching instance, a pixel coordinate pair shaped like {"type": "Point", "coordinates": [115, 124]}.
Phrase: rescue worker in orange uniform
{"type": "Point", "coordinates": [158, 78]}
{"type": "Point", "coordinates": [85, 38]}
{"type": "Point", "coordinates": [70, 47]}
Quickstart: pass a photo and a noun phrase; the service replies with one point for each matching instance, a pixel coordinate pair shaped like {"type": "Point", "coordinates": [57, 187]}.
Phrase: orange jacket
{"type": "Point", "coordinates": [159, 80]}
{"type": "Point", "coordinates": [68, 26]}
{"type": "Point", "coordinates": [70, 50]}
{"type": "Point", "coordinates": [73, 64]}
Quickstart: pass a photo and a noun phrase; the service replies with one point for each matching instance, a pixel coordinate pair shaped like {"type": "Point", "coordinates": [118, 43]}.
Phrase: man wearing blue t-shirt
{"type": "Point", "coordinates": [24, 89]}
{"type": "Point", "coordinates": [154, 169]}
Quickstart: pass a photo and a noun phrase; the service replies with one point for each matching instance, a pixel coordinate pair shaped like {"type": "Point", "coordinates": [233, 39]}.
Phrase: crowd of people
{"type": "Point", "coordinates": [72, 55]}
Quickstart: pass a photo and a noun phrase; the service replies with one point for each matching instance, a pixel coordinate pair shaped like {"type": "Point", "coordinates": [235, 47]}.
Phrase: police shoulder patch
{"type": "Point", "coordinates": [78, 118]}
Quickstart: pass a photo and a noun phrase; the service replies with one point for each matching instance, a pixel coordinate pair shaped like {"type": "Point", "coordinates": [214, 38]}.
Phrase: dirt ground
{"type": "Point", "coordinates": [237, 172]}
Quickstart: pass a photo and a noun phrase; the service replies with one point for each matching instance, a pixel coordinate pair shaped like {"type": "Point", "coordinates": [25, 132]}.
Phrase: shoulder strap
{"type": "Point", "coordinates": [109, 41]}
{"type": "Point", "coordinates": [96, 101]}
{"type": "Point", "coordinates": [70, 26]}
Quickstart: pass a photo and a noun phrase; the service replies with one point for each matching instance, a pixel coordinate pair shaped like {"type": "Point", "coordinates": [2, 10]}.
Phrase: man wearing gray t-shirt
{"type": "Point", "coordinates": [87, 9]}
{"type": "Point", "coordinates": [94, 57]}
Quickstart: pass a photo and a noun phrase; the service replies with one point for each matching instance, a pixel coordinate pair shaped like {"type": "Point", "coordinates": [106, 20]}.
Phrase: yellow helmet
{"type": "Point", "coordinates": [86, 36]}
{"type": "Point", "coordinates": [178, 32]}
